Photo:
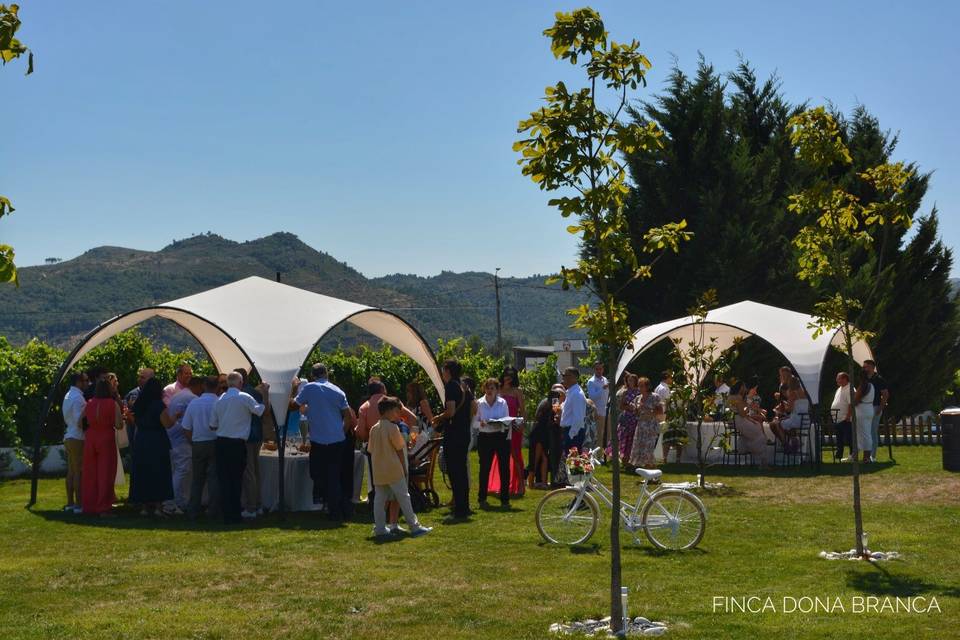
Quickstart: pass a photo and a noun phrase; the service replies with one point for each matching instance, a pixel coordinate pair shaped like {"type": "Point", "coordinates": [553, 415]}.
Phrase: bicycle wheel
{"type": "Point", "coordinates": [674, 519]}
{"type": "Point", "coordinates": [563, 517]}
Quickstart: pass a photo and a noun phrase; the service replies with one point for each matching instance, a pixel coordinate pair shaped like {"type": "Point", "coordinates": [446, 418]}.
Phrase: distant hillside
{"type": "Point", "coordinates": [465, 304]}
{"type": "Point", "coordinates": [59, 303]}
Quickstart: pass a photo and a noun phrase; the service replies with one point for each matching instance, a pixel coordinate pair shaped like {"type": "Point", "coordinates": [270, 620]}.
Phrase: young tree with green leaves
{"type": "Point", "coordinates": [842, 226]}
{"type": "Point", "coordinates": [689, 400]}
{"type": "Point", "coordinates": [572, 146]}
{"type": "Point", "coordinates": [10, 48]}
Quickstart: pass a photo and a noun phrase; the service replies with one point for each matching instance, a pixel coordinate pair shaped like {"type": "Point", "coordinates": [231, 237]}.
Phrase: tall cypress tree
{"type": "Point", "coordinates": [727, 166]}
{"type": "Point", "coordinates": [918, 348]}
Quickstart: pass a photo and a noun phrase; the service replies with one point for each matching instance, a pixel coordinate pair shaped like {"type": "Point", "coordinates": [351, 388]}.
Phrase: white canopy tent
{"type": "Point", "coordinates": [787, 331]}
{"type": "Point", "coordinates": [271, 326]}
{"type": "Point", "coordinates": [258, 323]}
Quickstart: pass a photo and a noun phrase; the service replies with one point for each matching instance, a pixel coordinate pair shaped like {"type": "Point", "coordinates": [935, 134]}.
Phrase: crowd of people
{"type": "Point", "coordinates": [194, 436]}
{"type": "Point", "coordinates": [640, 413]}
{"type": "Point", "coordinates": [195, 443]}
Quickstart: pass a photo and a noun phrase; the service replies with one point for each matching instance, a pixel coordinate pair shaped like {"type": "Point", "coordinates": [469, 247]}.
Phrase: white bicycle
{"type": "Point", "coordinates": [671, 517]}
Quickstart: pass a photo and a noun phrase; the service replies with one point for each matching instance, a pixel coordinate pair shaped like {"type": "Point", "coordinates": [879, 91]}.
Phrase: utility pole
{"type": "Point", "coordinates": [496, 286]}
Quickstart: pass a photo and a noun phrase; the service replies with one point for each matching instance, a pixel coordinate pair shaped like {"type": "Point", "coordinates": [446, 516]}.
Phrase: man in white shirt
{"type": "Point", "coordinates": [493, 439]}
{"type": "Point", "coordinates": [663, 392]}
{"type": "Point", "coordinates": [598, 390]}
{"type": "Point", "coordinates": [73, 406]}
{"type": "Point", "coordinates": [573, 411]}
{"type": "Point", "coordinates": [840, 407]}
{"type": "Point", "coordinates": [721, 393]}
{"type": "Point", "coordinates": [196, 427]}
{"type": "Point", "coordinates": [663, 389]}
{"type": "Point", "coordinates": [181, 453]}
{"type": "Point", "coordinates": [231, 420]}
{"type": "Point", "coordinates": [184, 373]}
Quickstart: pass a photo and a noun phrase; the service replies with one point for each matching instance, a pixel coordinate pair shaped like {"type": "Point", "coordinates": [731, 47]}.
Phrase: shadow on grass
{"type": "Point", "coordinates": [880, 581]}
{"type": "Point", "coordinates": [129, 518]}
{"type": "Point", "coordinates": [653, 552]}
{"type": "Point", "coordinates": [584, 549]}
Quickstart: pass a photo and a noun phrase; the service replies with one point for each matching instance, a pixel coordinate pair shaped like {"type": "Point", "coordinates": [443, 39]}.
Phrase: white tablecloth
{"type": "Point", "coordinates": [298, 487]}
{"type": "Point", "coordinates": [708, 432]}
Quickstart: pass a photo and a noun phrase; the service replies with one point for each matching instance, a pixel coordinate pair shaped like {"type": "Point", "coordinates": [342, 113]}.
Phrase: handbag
{"type": "Point", "coordinates": [123, 441]}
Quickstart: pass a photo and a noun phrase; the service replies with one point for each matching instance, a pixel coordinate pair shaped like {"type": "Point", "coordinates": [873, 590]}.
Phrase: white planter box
{"type": "Point", "coordinates": [54, 462]}
{"type": "Point", "coordinates": [10, 465]}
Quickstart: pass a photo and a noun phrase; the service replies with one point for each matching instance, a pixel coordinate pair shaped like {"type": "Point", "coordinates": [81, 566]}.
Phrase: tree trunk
{"type": "Point", "coordinates": [857, 512]}
{"type": "Point", "coordinates": [616, 608]}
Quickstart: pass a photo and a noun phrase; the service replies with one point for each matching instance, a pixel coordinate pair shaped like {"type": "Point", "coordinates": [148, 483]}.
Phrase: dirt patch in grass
{"type": "Point", "coordinates": [901, 489]}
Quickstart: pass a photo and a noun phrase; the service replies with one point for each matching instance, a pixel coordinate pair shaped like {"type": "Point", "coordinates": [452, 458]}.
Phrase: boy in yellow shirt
{"type": "Point", "coordinates": [387, 448]}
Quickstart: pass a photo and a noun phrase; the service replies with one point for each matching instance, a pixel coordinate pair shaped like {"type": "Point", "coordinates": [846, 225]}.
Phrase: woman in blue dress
{"type": "Point", "coordinates": [151, 480]}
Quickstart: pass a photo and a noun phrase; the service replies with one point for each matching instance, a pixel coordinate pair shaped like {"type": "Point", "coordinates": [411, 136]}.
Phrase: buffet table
{"type": "Point", "coordinates": [709, 430]}
{"type": "Point", "coordinates": [298, 486]}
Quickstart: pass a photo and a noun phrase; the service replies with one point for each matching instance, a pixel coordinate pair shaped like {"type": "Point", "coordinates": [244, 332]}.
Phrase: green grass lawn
{"type": "Point", "coordinates": [491, 577]}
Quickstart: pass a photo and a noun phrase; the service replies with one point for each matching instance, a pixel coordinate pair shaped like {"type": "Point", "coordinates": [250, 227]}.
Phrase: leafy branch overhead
{"type": "Point", "coordinates": [10, 48]}
{"type": "Point", "coordinates": [572, 145]}
{"type": "Point", "coordinates": [842, 223]}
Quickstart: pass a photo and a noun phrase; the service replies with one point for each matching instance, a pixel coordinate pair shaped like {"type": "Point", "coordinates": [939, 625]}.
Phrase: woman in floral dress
{"type": "Point", "coordinates": [648, 411]}
{"type": "Point", "coordinates": [627, 425]}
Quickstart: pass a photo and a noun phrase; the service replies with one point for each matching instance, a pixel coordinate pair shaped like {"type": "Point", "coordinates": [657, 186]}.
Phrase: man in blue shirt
{"type": "Point", "coordinates": [329, 418]}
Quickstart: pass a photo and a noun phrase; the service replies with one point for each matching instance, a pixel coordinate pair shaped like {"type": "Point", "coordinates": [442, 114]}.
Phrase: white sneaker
{"type": "Point", "coordinates": [396, 529]}
{"type": "Point", "coordinates": [248, 515]}
{"type": "Point", "coordinates": [172, 511]}
{"type": "Point", "coordinates": [260, 512]}
{"type": "Point", "coordinates": [420, 530]}
{"type": "Point", "coordinates": [77, 511]}
{"type": "Point", "coordinates": [379, 534]}
{"type": "Point", "coordinates": [69, 508]}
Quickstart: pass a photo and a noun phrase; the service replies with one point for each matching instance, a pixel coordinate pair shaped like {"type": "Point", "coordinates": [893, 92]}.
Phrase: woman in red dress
{"type": "Point", "coordinates": [100, 451]}
{"type": "Point", "coordinates": [510, 391]}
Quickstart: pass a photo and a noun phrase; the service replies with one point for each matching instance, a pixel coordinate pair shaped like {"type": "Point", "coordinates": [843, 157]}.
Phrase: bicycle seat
{"type": "Point", "coordinates": [650, 475]}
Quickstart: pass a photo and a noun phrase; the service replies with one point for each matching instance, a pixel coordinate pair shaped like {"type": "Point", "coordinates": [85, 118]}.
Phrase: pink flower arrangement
{"type": "Point", "coordinates": [578, 463]}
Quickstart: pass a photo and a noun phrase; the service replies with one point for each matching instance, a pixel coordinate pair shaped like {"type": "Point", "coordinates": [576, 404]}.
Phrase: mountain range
{"type": "Point", "coordinates": [60, 302]}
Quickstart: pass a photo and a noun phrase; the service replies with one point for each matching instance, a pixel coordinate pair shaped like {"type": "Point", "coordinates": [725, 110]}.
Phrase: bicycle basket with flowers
{"type": "Point", "coordinates": [578, 464]}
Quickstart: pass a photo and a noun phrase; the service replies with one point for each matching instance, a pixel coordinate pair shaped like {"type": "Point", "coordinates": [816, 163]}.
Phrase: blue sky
{"type": "Point", "coordinates": [380, 132]}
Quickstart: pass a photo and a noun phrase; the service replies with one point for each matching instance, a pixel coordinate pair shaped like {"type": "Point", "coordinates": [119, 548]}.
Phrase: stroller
{"type": "Point", "coordinates": [422, 463]}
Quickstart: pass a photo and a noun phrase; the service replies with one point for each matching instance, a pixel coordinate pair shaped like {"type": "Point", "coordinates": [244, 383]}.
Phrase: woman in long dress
{"type": "Point", "coordinates": [864, 401]}
{"type": "Point", "coordinates": [647, 409]}
{"type": "Point", "coordinates": [749, 423]}
{"type": "Point", "coordinates": [511, 393]}
{"type": "Point", "coordinates": [627, 425]}
{"type": "Point", "coordinates": [100, 451]}
{"type": "Point", "coordinates": [151, 480]}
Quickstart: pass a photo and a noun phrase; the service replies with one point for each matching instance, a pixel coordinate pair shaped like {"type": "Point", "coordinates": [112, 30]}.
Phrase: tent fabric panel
{"type": "Point", "coordinates": [395, 331]}
{"type": "Point", "coordinates": [106, 331]}
{"type": "Point", "coordinates": [277, 324]}
{"type": "Point", "coordinates": [787, 331]}
{"type": "Point", "coordinates": [726, 336]}
{"type": "Point", "coordinates": [225, 354]}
